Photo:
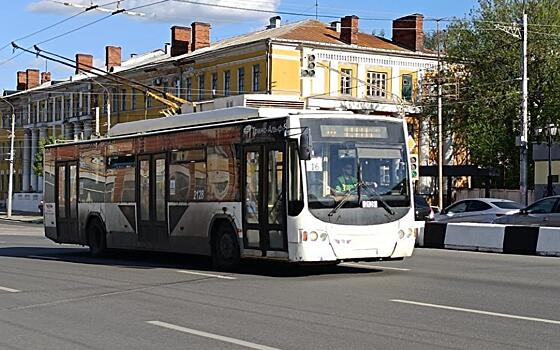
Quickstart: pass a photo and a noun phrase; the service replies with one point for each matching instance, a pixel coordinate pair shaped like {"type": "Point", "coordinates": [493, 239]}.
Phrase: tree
{"type": "Point", "coordinates": [38, 160]}
{"type": "Point", "coordinates": [486, 111]}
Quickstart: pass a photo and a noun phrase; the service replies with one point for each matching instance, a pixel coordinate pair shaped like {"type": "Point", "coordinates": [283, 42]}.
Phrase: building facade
{"type": "Point", "coordinates": [307, 64]}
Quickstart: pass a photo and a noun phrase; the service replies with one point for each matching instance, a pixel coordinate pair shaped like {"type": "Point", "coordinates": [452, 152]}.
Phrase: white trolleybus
{"type": "Point", "coordinates": [299, 186]}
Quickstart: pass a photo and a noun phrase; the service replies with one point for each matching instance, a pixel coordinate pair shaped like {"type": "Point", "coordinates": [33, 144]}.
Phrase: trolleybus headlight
{"type": "Point", "coordinates": [401, 234]}
{"type": "Point", "coordinates": [303, 235]}
{"type": "Point", "coordinates": [313, 236]}
{"type": "Point", "coordinates": [323, 236]}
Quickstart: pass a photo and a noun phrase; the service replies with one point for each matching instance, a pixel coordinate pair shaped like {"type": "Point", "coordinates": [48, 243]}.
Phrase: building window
{"type": "Point", "coordinates": [178, 87]}
{"type": "Point", "coordinates": [406, 89]}
{"type": "Point", "coordinates": [241, 80]}
{"type": "Point", "coordinates": [346, 81]}
{"type": "Point", "coordinates": [227, 83]}
{"type": "Point", "coordinates": [148, 101]}
{"type": "Point", "coordinates": [115, 102]}
{"type": "Point", "coordinates": [201, 86]}
{"type": "Point", "coordinates": [123, 100]}
{"type": "Point", "coordinates": [214, 84]}
{"type": "Point", "coordinates": [133, 100]}
{"type": "Point", "coordinates": [376, 84]}
{"type": "Point", "coordinates": [189, 89]}
{"type": "Point", "coordinates": [256, 77]}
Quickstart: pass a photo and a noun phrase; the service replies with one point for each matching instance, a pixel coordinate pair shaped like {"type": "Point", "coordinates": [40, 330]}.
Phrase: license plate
{"type": "Point", "coordinates": [369, 204]}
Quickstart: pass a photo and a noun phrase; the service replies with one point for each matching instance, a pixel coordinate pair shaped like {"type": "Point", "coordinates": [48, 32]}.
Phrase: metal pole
{"type": "Point", "coordinates": [11, 176]}
{"type": "Point", "coordinates": [549, 178]}
{"type": "Point", "coordinates": [440, 125]}
{"type": "Point", "coordinates": [524, 120]}
{"type": "Point", "coordinates": [11, 160]}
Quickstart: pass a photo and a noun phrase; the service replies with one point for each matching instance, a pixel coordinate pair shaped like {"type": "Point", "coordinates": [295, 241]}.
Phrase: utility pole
{"type": "Point", "coordinates": [440, 122]}
{"type": "Point", "coordinates": [11, 160]}
{"type": "Point", "coordinates": [11, 176]}
{"type": "Point", "coordinates": [523, 140]}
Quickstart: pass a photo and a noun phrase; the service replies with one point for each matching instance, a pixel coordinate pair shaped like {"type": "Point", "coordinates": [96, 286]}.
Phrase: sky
{"type": "Point", "coordinates": [147, 26]}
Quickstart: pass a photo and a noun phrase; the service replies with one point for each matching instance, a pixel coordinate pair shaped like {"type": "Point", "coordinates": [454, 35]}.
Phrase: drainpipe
{"type": "Point", "coordinates": [269, 66]}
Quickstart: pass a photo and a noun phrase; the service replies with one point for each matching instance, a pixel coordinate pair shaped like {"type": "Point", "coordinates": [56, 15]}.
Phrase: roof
{"type": "Point", "coordinates": [317, 31]}
{"type": "Point", "coordinates": [303, 31]}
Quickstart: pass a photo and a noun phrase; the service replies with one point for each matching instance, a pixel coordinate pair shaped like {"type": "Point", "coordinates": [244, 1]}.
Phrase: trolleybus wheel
{"type": "Point", "coordinates": [97, 241]}
{"type": "Point", "coordinates": [225, 250]}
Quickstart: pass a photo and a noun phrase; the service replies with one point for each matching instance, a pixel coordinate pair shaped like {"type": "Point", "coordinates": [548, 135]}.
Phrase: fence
{"type": "Point", "coordinates": [513, 195]}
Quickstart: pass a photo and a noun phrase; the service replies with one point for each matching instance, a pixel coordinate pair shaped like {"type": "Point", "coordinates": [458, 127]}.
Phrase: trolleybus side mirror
{"type": "Point", "coordinates": [305, 145]}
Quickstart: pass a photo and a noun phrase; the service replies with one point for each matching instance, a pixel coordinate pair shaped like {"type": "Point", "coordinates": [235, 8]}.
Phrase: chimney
{"type": "Point", "coordinates": [336, 26]}
{"type": "Point", "coordinates": [45, 77]}
{"type": "Point", "coordinates": [83, 63]}
{"type": "Point", "coordinates": [200, 35]}
{"type": "Point", "coordinates": [408, 32]}
{"type": "Point", "coordinates": [21, 81]}
{"type": "Point", "coordinates": [274, 22]}
{"type": "Point", "coordinates": [180, 40]}
{"type": "Point", "coordinates": [112, 57]}
{"type": "Point", "coordinates": [32, 78]}
{"type": "Point", "coordinates": [349, 30]}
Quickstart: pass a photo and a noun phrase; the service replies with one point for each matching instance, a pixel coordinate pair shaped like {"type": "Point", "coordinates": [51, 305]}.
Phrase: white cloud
{"type": "Point", "coordinates": [175, 10]}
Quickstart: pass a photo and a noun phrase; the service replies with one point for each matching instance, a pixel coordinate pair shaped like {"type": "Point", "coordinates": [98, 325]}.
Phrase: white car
{"type": "Point", "coordinates": [478, 210]}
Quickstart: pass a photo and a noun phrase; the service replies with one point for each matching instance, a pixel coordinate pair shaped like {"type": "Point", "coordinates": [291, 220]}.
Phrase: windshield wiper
{"type": "Point", "coordinates": [385, 205]}
{"type": "Point", "coordinates": [342, 201]}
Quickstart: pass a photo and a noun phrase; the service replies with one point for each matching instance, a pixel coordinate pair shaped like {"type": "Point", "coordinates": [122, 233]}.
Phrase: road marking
{"type": "Point", "coordinates": [43, 257]}
{"type": "Point", "coordinates": [480, 312]}
{"type": "Point", "coordinates": [212, 336]}
{"type": "Point", "coordinates": [373, 267]}
{"type": "Point", "coordinates": [206, 275]}
{"type": "Point", "coordinates": [10, 290]}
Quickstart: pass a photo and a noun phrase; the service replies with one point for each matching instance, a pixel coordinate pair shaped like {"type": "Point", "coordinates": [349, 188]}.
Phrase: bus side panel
{"type": "Point", "coordinates": [49, 209]}
{"type": "Point", "coordinates": [120, 223]}
{"type": "Point", "coordinates": [190, 228]}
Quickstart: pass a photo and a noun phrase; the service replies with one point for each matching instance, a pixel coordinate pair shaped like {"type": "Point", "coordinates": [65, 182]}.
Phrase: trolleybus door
{"type": "Point", "coordinates": [152, 201]}
{"type": "Point", "coordinates": [264, 213]}
{"type": "Point", "coordinates": [67, 201]}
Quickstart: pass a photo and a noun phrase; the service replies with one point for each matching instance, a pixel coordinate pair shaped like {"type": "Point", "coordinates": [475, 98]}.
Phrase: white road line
{"type": "Point", "coordinates": [212, 336]}
{"type": "Point", "coordinates": [43, 257]}
{"type": "Point", "coordinates": [206, 274]}
{"type": "Point", "coordinates": [373, 267]}
{"type": "Point", "coordinates": [9, 290]}
{"type": "Point", "coordinates": [480, 312]}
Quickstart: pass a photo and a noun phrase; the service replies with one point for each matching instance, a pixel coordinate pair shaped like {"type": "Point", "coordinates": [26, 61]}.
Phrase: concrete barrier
{"type": "Point", "coordinates": [549, 241]}
{"type": "Point", "coordinates": [526, 240]}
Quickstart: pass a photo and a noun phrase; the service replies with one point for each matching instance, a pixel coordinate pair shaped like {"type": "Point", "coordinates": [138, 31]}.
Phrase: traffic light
{"type": "Point", "coordinates": [308, 67]}
{"type": "Point", "coordinates": [414, 170]}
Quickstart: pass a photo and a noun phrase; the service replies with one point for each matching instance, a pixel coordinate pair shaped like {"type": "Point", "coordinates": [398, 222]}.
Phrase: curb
{"type": "Point", "coordinates": [35, 221]}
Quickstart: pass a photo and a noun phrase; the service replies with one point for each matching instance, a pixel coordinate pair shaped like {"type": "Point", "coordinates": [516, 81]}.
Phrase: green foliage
{"type": "Point", "coordinates": [38, 160]}
{"type": "Point", "coordinates": [485, 112]}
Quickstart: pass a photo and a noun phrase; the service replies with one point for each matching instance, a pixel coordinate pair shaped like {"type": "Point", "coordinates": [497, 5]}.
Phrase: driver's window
{"type": "Point", "coordinates": [544, 206]}
{"type": "Point", "coordinates": [460, 207]}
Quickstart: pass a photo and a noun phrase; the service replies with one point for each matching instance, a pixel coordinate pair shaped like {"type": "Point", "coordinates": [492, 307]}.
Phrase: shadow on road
{"type": "Point", "coordinates": [151, 260]}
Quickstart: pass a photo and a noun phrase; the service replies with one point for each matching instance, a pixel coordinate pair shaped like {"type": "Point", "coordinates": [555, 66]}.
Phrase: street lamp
{"type": "Point", "coordinates": [550, 131]}
{"type": "Point", "coordinates": [11, 174]}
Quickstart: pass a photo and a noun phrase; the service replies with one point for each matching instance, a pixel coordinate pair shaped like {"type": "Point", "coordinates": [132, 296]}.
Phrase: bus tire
{"type": "Point", "coordinates": [225, 248]}
{"type": "Point", "coordinates": [96, 239]}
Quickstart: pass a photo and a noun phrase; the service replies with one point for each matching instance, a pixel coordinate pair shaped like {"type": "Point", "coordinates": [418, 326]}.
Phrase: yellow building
{"type": "Point", "coordinates": [307, 64]}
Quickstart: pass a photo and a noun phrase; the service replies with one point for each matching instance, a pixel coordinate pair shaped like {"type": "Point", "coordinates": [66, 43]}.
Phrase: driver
{"type": "Point", "coordinates": [347, 181]}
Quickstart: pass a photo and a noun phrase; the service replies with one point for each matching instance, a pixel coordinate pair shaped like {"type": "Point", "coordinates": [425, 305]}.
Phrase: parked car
{"type": "Point", "coordinates": [478, 210]}
{"type": "Point", "coordinates": [422, 210]}
{"type": "Point", "coordinates": [544, 212]}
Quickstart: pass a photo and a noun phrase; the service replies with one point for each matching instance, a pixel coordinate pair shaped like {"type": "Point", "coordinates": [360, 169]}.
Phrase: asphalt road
{"type": "Point", "coordinates": [57, 297]}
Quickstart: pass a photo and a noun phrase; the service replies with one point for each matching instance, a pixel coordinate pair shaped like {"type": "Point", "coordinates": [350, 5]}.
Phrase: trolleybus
{"type": "Point", "coordinates": [299, 186]}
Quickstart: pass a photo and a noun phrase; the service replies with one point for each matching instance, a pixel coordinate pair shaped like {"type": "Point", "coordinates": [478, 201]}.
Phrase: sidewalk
{"type": "Point", "coordinates": [32, 218]}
